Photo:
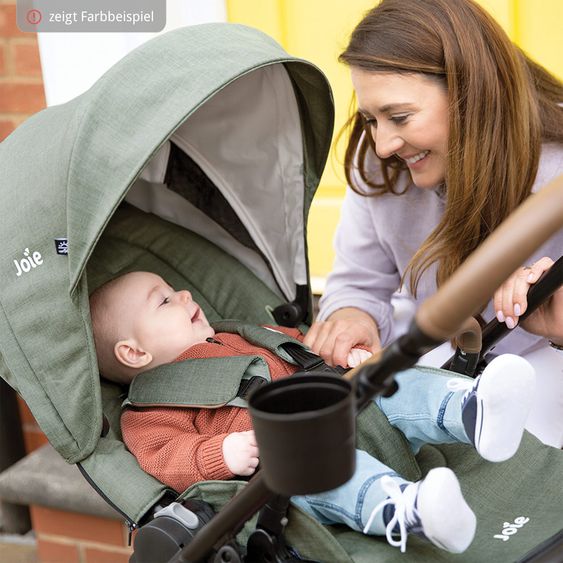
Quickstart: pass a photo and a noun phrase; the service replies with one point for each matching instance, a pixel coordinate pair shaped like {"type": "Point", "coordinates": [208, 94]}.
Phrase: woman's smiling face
{"type": "Point", "coordinates": [408, 117]}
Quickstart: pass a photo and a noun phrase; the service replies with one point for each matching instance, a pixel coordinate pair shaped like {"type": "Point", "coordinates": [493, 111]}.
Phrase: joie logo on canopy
{"type": "Point", "coordinates": [29, 261]}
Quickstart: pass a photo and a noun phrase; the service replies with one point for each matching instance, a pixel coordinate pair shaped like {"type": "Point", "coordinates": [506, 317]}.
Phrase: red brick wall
{"type": "Point", "coordinates": [65, 537]}
{"type": "Point", "coordinates": [33, 437]}
{"type": "Point", "coordinates": [21, 95]}
{"type": "Point", "coordinates": [70, 537]}
{"type": "Point", "coordinates": [21, 85]}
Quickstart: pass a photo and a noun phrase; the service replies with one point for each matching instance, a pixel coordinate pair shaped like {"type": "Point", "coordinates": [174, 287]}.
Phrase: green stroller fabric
{"type": "Point", "coordinates": [210, 382]}
{"type": "Point", "coordinates": [86, 154]}
{"type": "Point", "coordinates": [501, 495]}
{"type": "Point", "coordinates": [136, 240]}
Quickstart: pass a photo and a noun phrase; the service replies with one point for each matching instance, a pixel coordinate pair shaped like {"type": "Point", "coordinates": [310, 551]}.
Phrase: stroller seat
{"type": "Point", "coordinates": [135, 240]}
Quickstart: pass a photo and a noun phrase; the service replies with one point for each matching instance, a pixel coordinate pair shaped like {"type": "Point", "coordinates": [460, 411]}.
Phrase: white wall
{"type": "Point", "coordinates": [72, 62]}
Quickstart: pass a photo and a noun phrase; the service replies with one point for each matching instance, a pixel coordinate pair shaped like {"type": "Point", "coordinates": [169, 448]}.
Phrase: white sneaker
{"type": "Point", "coordinates": [496, 406]}
{"type": "Point", "coordinates": [433, 509]}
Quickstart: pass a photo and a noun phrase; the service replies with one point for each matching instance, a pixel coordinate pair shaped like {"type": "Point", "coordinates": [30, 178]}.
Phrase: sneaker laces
{"type": "Point", "coordinates": [405, 514]}
{"type": "Point", "coordinates": [462, 384]}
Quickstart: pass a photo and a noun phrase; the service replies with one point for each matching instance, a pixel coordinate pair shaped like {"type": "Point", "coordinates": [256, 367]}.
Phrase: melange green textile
{"type": "Point", "coordinates": [198, 383]}
{"type": "Point", "coordinates": [87, 155]}
{"type": "Point", "coordinates": [259, 336]}
{"type": "Point", "coordinates": [526, 488]}
{"type": "Point", "coordinates": [135, 240]}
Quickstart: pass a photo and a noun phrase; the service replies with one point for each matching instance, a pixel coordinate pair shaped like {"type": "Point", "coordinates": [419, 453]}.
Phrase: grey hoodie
{"type": "Point", "coordinates": [377, 236]}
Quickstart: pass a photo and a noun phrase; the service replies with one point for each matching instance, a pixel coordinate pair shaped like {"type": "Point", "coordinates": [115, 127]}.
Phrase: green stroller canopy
{"type": "Point", "coordinates": [219, 100]}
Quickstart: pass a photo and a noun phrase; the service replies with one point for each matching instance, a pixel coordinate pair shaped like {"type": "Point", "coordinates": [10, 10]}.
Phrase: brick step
{"type": "Point", "coordinates": [71, 522]}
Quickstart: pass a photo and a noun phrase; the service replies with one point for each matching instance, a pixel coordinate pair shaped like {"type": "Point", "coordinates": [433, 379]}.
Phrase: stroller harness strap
{"type": "Point", "coordinates": [264, 337]}
{"type": "Point", "coordinates": [208, 383]}
{"type": "Point", "coordinates": [212, 382]}
{"type": "Point", "coordinates": [284, 346]}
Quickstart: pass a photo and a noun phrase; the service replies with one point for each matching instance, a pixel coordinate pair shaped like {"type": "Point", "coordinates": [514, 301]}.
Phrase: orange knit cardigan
{"type": "Point", "coordinates": [181, 446]}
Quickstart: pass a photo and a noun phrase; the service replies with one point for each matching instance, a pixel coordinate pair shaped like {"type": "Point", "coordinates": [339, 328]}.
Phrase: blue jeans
{"type": "Point", "coordinates": [426, 412]}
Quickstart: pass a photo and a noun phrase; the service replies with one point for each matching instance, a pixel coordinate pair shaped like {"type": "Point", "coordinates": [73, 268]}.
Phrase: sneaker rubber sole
{"type": "Point", "coordinates": [447, 521]}
{"type": "Point", "coordinates": [504, 399]}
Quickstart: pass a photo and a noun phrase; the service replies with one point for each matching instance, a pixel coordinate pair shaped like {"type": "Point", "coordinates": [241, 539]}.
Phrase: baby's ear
{"type": "Point", "coordinates": [131, 355]}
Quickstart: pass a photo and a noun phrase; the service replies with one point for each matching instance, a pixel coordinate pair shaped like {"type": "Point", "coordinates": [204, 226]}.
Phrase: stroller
{"type": "Point", "coordinates": [197, 157]}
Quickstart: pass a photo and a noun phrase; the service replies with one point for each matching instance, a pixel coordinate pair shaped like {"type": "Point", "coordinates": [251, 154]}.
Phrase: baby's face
{"type": "Point", "coordinates": [163, 321]}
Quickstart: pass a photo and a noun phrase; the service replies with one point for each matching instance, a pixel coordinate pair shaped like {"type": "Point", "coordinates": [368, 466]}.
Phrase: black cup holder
{"type": "Point", "coordinates": [305, 428]}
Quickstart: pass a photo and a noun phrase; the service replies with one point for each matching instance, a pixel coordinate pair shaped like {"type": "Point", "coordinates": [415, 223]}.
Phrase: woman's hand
{"type": "Point", "coordinates": [510, 302]}
{"type": "Point", "coordinates": [345, 329]}
{"type": "Point", "coordinates": [240, 452]}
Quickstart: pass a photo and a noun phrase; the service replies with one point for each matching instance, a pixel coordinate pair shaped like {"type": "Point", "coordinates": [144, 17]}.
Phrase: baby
{"type": "Point", "coordinates": [140, 322]}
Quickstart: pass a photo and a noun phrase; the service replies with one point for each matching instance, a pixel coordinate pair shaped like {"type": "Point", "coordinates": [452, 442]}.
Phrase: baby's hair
{"type": "Point", "coordinates": [106, 332]}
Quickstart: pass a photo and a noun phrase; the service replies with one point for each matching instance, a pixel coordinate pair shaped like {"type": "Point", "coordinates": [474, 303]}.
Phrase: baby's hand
{"type": "Point", "coordinates": [240, 452]}
{"type": "Point", "coordinates": [357, 356]}
{"type": "Point", "coordinates": [511, 299]}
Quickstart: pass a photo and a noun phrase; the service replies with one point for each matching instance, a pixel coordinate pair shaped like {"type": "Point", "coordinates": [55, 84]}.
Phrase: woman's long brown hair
{"type": "Point", "coordinates": [502, 106]}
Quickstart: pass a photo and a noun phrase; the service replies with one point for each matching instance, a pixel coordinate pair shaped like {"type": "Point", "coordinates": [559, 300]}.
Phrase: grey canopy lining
{"type": "Point", "coordinates": [188, 180]}
{"type": "Point", "coordinates": [158, 199]}
{"type": "Point", "coordinates": [247, 142]}
{"type": "Point", "coordinates": [110, 133]}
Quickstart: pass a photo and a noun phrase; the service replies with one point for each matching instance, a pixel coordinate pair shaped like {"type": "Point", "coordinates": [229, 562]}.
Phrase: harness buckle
{"type": "Point", "coordinates": [248, 386]}
{"type": "Point", "coordinates": [308, 361]}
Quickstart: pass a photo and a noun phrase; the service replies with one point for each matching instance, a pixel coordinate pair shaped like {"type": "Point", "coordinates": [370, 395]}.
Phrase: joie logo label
{"type": "Point", "coordinates": [61, 244]}
{"type": "Point", "coordinates": [30, 260]}
{"type": "Point", "coordinates": [509, 529]}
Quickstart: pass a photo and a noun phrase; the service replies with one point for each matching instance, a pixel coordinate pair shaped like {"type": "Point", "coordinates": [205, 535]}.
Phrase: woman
{"type": "Point", "coordinates": [455, 128]}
